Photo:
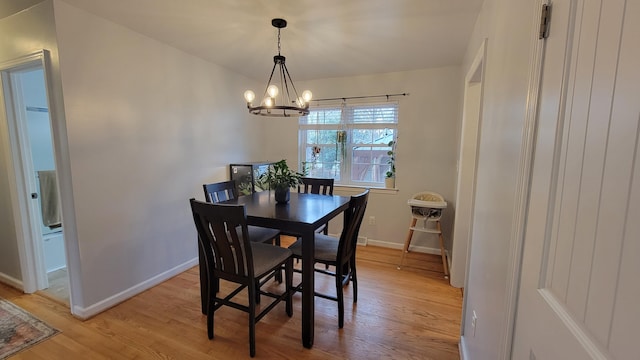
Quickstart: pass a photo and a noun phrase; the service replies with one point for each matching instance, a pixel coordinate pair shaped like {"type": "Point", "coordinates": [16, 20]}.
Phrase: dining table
{"type": "Point", "coordinates": [301, 216]}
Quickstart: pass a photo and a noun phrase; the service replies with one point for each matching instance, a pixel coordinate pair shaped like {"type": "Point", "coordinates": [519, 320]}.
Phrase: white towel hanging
{"type": "Point", "coordinates": [49, 202]}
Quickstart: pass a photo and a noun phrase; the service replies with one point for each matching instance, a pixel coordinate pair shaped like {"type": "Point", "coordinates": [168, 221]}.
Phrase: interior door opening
{"type": "Point", "coordinates": [30, 127]}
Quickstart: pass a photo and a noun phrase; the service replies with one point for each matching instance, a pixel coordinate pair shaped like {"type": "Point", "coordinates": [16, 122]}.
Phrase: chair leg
{"type": "Point", "coordinates": [326, 232]}
{"type": "Point", "coordinates": [354, 280]}
{"type": "Point", "coordinates": [443, 254]}
{"type": "Point", "coordinates": [288, 274]}
{"type": "Point", "coordinates": [211, 303]}
{"type": "Point", "coordinates": [278, 276]}
{"type": "Point", "coordinates": [407, 242]}
{"type": "Point", "coordinates": [346, 269]}
{"type": "Point", "coordinates": [252, 322]}
{"type": "Point", "coordinates": [210, 323]}
{"type": "Point", "coordinates": [340, 297]}
{"type": "Point", "coordinates": [204, 280]}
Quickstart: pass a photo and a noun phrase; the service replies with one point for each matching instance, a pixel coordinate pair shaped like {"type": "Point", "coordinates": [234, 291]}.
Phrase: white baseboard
{"type": "Point", "coordinates": [462, 348]}
{"type": "Point", "coordinates": [56, 268]}
{"type": "Point", "coordinates": [92, 310]}
{"type": "Point", "coordinates": [11, 281]}
{"type": "Point", "coordinates": [390, 245]}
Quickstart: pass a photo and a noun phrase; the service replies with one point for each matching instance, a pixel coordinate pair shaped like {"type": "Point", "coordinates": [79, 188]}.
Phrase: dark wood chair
{"type": "Point", "coordinates": [230, 254]}
{"type": "Point", "coordinates": [226, 190]}
{"type": "Point", "coordinates": [340, 253]}
{"type": "Point", "coordinates": [323, 186]}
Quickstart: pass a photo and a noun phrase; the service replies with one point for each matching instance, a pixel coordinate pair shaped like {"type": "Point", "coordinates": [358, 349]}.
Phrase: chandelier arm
{"type": "Point", "coordinates": [283, 84]}
{"type": "Point", "coordinates": [292, 85]}
{"type": "Point", "coordinates": [270, 77]}
{"type": "Point", "coordinates": [285, 75]}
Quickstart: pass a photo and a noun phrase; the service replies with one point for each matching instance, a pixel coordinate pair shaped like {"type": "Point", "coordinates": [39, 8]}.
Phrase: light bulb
{"type": "Point", "coordinates": [307, 95]}
{"type": "Point", "coordinates": [268, 101]}
{"type": "Point", "coordinates": [300, 101]}
{"type": "Point", "coordinates": [249, 96]}
{"type": "Point", "coordinates": [272, 90]}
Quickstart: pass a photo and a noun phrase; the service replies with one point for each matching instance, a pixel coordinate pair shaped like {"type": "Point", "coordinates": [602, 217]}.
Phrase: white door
{"type": "Point", "coordinates": [579, 291]}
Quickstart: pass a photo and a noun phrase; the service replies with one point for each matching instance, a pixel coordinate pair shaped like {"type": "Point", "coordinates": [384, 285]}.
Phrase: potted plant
{"type": "Point", "coordinates": [281, 179]}
{"type": "Point", "coordinates": [390, 176]}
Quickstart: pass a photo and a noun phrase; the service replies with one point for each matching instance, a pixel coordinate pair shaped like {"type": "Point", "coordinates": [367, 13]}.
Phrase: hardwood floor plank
{"type": "Point", "coordinates": [410, 313]}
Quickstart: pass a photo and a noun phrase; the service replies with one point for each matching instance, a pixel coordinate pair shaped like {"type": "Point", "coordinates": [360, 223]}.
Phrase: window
{"type": "Point", "coordinates": [348, 143]}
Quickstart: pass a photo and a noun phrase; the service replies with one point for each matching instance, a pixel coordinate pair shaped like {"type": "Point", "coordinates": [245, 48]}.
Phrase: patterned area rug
{"type": "Point", "coordinates": [20, 330]}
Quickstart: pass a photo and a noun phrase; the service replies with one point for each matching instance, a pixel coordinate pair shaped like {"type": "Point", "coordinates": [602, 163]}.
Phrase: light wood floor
{"type": "Point", "coordinates": [401, 314]}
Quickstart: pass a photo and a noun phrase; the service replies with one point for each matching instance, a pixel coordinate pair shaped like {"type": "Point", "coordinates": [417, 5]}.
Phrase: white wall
{"type": "Point", "coordinates": [426, 151]}
{"type": "Point", "coordinates": [508, 26]}
{"type": "Point", "coordinates": [147, 126]}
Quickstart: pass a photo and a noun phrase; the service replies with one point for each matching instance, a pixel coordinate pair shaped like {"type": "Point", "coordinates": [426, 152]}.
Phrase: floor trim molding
{"type": "Point", "coordinates": [92, 310]}
{"type": "Point", "coordinates": [11, 281]}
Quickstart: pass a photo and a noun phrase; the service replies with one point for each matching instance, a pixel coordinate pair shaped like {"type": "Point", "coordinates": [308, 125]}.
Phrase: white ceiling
{"type": "Point", "coordinates": [324, 38]}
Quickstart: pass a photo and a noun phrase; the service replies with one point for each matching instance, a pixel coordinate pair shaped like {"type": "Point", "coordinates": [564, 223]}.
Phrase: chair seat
{"type": "Point", "coordinates": [261, 234]}
{"type": "Point", "coordinates": [266, 257]}
{"type": "Point", "coordinates": [326, 248]}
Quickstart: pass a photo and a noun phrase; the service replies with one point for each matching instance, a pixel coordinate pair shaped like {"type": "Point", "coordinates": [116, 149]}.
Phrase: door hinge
{"type": "Point", "coordinates": [545, 19]}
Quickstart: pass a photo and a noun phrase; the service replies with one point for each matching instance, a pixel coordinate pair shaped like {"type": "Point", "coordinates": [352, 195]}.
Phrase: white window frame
{"type": "Point", "coordinates": [347, 124]}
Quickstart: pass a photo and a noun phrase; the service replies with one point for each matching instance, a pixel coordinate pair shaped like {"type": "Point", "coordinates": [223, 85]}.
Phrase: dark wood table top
{"type": "Point", "coordinates": [302, 210]}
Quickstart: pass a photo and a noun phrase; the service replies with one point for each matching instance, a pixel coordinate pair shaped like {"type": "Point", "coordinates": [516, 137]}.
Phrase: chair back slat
{"type": "Point", "coordinates": [352, 220]}
{"type": "Point", "coordinates": [223, 236]}
{"type": "Point", "coordinates": [222, 191]}
{"type": "Point", "coordinates": [316, 186]}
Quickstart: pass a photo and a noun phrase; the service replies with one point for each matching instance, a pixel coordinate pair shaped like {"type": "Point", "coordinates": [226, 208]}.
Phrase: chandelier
{"type": "Point", "coordinates": [280, 97]}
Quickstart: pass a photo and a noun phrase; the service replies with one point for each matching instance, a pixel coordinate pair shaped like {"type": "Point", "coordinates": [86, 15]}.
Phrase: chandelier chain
{"type": "Point", "coordinates": [278, 41]}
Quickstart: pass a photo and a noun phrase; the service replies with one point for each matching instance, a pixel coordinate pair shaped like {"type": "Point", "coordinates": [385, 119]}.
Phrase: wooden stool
{"type": "Point", "coordinates": [426, 206]}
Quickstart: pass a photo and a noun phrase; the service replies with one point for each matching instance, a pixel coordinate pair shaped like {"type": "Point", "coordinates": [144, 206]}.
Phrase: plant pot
{"type": "Point", "coordinates": [390, 183]}
{"type": "Point", "coordinates": [282, 195]}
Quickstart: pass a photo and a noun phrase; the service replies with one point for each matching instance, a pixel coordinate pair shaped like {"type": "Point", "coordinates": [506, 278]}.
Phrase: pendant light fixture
{"type": "Point", "coordinates": [280, 98]}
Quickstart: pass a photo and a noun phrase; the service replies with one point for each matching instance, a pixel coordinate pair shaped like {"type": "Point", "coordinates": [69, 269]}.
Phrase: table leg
{"type": "Point", "coordinates": [308, 287]}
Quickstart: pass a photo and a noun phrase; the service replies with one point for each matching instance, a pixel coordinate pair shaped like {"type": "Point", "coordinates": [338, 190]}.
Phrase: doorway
{"type": "Point", "coordinates": [32, 150]}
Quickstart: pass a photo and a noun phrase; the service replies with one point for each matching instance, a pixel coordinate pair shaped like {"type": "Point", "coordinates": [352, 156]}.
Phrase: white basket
{"type": "Point", "coordinates": [427, 205]}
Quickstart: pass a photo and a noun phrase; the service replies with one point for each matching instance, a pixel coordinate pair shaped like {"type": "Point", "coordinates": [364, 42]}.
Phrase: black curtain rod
{"type": "Point", "coordinates": [361, 97]}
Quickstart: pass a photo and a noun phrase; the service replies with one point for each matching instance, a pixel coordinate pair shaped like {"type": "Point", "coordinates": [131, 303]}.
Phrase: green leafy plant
{"type": "Point", "coordinates": [392, 160]}
{"type": "Point", "coordinates": [279, 176]}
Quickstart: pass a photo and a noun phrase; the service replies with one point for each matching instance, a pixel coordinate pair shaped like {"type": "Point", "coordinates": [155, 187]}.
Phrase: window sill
{"type": "Point", "coordinates": [358, 189]}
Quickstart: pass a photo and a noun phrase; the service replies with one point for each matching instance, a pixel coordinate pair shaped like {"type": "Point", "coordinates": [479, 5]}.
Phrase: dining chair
{"type": "Point", "coordinates": [323, 186]}
{"type": "Point", "coordinates": [226, 190]}
{"type": "Point", "coordinates": [340, 253]}
{"type": "Point", "coordinates": [231, 255]}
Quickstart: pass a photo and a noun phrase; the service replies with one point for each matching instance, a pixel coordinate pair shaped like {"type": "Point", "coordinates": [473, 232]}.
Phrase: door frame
{"type": "Point", "coordinates": [461, 244]}
{"type": "Point", "coordinates": [20, 165]}
{"type": "Point", "coordinates": [523, 181]}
